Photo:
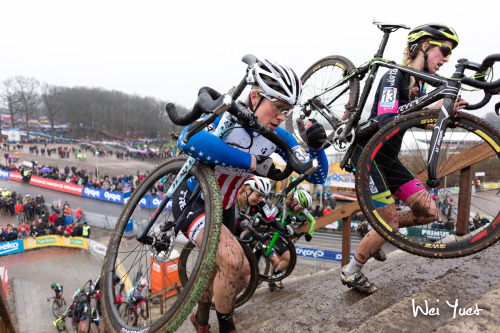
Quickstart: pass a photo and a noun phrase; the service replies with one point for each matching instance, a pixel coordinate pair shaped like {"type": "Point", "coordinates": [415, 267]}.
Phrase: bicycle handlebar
{"type": "Point", "coordinates": [487, 63]}
{"type": "Point", "coordinates": [490, 88]}
{"type": "Point", "coordinates": [275, 224]}
{"type": "Point", "coordinates": [211, 102]}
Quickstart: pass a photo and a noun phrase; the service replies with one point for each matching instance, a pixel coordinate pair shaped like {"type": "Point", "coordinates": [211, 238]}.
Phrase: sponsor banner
{"type": "Point", "coordinates": [97, 248]}
{"type": "Point", "coordinates": [91, 192]}
{"type": "Point", "coordinates": [4, 174]}
{"type": "Point", "coordinates": [115, 197]}
{"type": "Point", "coordinates": [11, 247]}
{"type": "Point", "coordinates": [126, 190]}
{"type": "Point", "coordinates": [428, 233]}
{"type": "Point", "coordinates": [144, 201]}
{"type": "Point", "coordinates": [337, 225]}
{"type": "Point", "coordinates": [320, 254]}
{"type": "Point", "coordinates": [155, 202]}
{"type": "Point", "coordinates": [56, 185]}
{"type": "Point", "coordinates": [491, 186]}
{"type": "Point", "coordinates": [78, 242]}
{"type": "Point", "coordinates": [122, 273]}
{"type": "Point", "coordinates": [15, 176]}
{"type": "Point", "coordinates": [99, 194]}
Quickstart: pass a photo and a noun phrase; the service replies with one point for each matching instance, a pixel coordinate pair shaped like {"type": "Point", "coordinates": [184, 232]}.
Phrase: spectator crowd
{"type": "Point", "coordinates": [35, 218]}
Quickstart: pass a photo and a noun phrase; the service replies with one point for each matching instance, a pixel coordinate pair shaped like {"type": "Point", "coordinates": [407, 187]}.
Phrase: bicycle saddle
{"type": "Point", "coordinates": [390, 26]}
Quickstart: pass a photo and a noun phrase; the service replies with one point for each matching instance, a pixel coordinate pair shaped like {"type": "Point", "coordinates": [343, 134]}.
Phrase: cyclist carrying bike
{"type": "Point", "coordinates": [297, 205]}
{"type": "Point", "coordinates": [138, 296]}
{"type": "Point", "coordinates": [275, 91]}
{"type": "Point", "coordinates": [429, 47]}
{"type": "Point", "coordinates": [58, 289]}
{"type": "Point", "coordinates": [251, 198]}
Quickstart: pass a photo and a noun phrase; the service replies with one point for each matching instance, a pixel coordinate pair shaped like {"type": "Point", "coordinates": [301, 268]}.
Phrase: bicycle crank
{"type": "Point", "coordinates": [337, 143]}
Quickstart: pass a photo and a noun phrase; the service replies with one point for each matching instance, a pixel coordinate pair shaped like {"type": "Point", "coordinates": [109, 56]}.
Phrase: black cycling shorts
{"type": "Point", "coordinates": [280, 246]}
{"type": "Point", "coordinates": [390, 174]}
{"type": "Point", "coordinates": [195, 221]}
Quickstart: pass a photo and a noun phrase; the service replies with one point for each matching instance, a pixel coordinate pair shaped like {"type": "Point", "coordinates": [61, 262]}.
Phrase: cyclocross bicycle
{"type": "Point", "coordinates": [80, 311]}
{"type": "Point", "coordinates": [57, 305]}
{"type": "Point", "coordinates": [276, 229]}
{"type": "Point", "coordinates": [441, 159]}
{"type": "Point", "coordinates": [153, 246]}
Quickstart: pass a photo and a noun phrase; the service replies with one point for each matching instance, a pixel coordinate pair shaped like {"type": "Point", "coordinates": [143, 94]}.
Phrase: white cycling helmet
{"type": "Point", "coordinates": [259, 184]}
{"type": "Point", "coordinates": [303, 198]}
{"type": "Point", "coordinates": [142, 283]}
{"type": "Point", "coordinates": [284, 84]}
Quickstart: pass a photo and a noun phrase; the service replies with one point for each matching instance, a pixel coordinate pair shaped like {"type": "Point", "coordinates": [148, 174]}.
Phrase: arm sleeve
{"type": "Point", "coordinates": [312, 223]}
{"type": "Point", "coordinates": [319, 176]}
{"type": "Point", "coordinates": [208, 148]}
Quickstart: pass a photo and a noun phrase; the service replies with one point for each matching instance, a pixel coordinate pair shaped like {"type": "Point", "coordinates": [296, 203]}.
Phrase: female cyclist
{"type": "Point", "coordinates": [429, 47]}
{"type": "Point", "coordinates": [275, 91]}
{"type": "Point", "coordinates": [251, 197]}
{"type": "Point", "coordinates": [297, 205]}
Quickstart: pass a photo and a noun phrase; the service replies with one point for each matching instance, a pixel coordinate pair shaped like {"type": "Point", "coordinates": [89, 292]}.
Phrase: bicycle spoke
{"type": "Point", "coordinates": [461, 147]}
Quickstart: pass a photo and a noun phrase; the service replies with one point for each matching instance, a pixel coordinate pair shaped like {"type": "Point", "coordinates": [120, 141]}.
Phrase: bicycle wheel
{"type": "Point", "coordinates": [330, 103]}
{"type": "Point", "coordinates": [187, 260]}
{"type": "Point", "coordinates": [126, 256]}
{"type": "Point", "coordinates": [265, 263]}
{"type": "Point", "coordinates": [57, 308]}
{"type": "Point", "coordinates": [128, 314]}
{"type": "Point", "coordinates": [469, 142]}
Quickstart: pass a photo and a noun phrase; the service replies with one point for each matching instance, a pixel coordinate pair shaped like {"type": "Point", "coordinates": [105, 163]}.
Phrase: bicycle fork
{"type": "Point", "coordinates": [436, 141]}
{"type": "Point", "coordinates": [223, 130]}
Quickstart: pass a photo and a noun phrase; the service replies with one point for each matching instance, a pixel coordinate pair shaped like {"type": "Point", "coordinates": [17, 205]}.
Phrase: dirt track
{"type": "Point", "coordinates": [107, 165]}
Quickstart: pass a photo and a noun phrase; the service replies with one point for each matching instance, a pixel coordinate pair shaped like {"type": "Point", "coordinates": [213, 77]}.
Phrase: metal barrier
{"type": "Point", "coordinates": [99, 220]}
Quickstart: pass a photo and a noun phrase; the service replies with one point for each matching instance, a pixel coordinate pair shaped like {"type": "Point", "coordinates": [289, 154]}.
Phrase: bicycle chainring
{"type": "Point", "coordinates": [339, 145]}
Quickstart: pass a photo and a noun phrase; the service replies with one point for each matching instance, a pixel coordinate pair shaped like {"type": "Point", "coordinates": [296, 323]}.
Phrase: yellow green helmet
{"type": "Point", "coordinates": [436, 31]}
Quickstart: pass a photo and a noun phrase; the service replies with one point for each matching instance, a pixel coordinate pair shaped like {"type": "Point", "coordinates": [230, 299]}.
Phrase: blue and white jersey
{"type": "Point", "coordinates": [232, 158]}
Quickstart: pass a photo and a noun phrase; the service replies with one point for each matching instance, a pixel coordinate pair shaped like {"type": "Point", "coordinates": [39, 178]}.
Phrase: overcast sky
{"type": "Point", "coordinates": [169, 49]}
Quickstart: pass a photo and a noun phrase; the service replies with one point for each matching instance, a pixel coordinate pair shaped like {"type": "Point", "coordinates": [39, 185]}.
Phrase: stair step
{"type": "Point", "coordinates": [489, 302]}
{"type": "Point", "coordinates": [320, 303]}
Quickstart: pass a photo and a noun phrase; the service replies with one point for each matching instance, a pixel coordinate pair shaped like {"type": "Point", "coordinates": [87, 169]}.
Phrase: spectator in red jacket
{"type": "Point", "coordinates": [53, 217]}
{"type": "Point", "coordinates": [327, 210]}
{"type": "Point", "coordinates": [69, 230]}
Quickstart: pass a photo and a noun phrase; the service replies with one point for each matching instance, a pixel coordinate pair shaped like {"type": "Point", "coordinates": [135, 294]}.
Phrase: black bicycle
{"type": "Point", "coordinates": [442, 159]}
{"type": "Point", "coordinates": [57, 305]}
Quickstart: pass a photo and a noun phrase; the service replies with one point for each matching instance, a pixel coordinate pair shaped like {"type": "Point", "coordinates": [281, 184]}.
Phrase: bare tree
{"type": "Point", "coordinates": [9, 101]}
{"type": "Point", "coordinates": [26, 92]}
{"type": "Point", "coordinates": [51, 99]}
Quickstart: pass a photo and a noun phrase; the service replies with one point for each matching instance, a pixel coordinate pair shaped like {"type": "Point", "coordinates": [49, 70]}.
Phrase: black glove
{"type": "Point", "coordinates": [264, 166]}
{"type": "Point", "coordinates": [308, 237]}
{"type": "Point", "coordinates": [314, 136]}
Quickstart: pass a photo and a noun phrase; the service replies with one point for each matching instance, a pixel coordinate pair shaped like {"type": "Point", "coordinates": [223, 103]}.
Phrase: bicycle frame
{"type": "Point", "coordinates": [222, 131]}
{"type": "Point", "coordinates": [447, 89]}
